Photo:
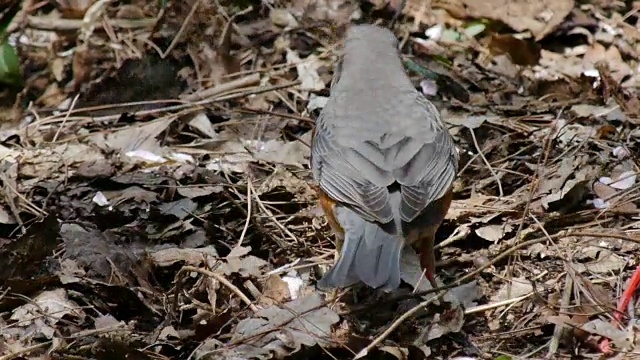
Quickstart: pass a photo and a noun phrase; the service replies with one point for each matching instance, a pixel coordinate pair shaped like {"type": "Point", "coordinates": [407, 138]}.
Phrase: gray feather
{"type": "Point", "coordinates": [369, 255]}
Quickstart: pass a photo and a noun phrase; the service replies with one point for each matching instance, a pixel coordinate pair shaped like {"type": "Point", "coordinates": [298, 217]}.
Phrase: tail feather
{"type": "Point", "coordinates": [369, 254]}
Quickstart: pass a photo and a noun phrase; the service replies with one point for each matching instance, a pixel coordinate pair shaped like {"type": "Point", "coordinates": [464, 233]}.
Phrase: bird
{"type": "Point", "coordinates": [383, 163]}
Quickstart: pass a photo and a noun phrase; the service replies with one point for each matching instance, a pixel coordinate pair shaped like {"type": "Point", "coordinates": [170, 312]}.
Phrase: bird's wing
{"type": "Point", "coordinates": [350, 176]}
{"type": "Point", "coordinates": [428, 167]}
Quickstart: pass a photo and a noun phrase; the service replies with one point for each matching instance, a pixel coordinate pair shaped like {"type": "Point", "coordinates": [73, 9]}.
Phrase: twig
{"type": "Point", "coordinates": [280, 114]}
{"type": "Point", "coordinates": [464, 230]}
{"type": "Point", "coordinates": [498, 304]}
{"type": "Point", "coordinates": [273, 218]}
{"type": "Point", "coordinates": [362, 353]}
{"type": "Point", "coordinates": [486, 307]}
{"type": "Point", "coordinates": [557, 331]}
{"type": "Point", "coordinates": [533, 188]}
{"type": "Point", "coordinates": [25, 351]}
{"type": "Point", "coordinates": [242, 82]}
{"type": "Point", "coordinates": [231, 18]}
{"type": "Point", "coordinates": [398, 13]}
{"type": "Point", "coordinates": [66, 117]}
{"type": "Point", "coordinates": [48, 23]}
{"type": "Point", "coordinates": [180, 106]}
{"type": "Point", "coordinates": [493, 173]}
{"type": "Point", "coordinates": [249, 202]}
{"type": "Point", "coordinates": [183, 26]}
{"type": "Point", "coordinates": [224, 282]}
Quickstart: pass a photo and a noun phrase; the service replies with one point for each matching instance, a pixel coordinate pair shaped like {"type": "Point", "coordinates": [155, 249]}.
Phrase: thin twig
{"type": "Point", "coordinates": [49, 23]}
{"type": "Point", "coordinates": [495, 305]}
{"type": "Point", "coordinates": [224, 282]}
{"type": "Point", "coordinates": [66, 117]}
{"type": "Point", "coordinates": [273, 218]}
{"type": "Point", "coordinates": [183, 26]}
{"type": "Point", "coordinates": [25, 351]}
{"type": "Point", "coordinates": [557, 331]}
{"type": "Point", "coordinates": [242, 82]}
{"type": "Point", "coordinates": [495, 176]}
{"type": "Point", "coordinates": [249, 202]}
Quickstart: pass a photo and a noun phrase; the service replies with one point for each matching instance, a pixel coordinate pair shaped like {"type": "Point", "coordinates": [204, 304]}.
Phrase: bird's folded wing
{"type": "Point", "coordinates": [350, 178]}
{"type": "Point", "coordinates": [427, 176]}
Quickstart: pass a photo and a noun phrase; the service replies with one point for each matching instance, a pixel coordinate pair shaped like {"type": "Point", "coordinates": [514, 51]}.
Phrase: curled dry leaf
{"type": "Point", "coordinates": [275, 291]}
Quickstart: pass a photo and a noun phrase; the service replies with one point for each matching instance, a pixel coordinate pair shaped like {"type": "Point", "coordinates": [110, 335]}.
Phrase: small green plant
{"type": "Point", "coordinates": [10, 73]}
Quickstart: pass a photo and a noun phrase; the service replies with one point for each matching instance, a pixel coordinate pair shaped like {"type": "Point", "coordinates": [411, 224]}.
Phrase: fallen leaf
{"type": "Point", "coordinates": [540, 17]}
{"type": "Point", "coordinates": [286, 328]}
{"type": "Point", "coordinates": [494, 233]}
{"type": "Point", "coordinates": [513, 289]}
{"type": "Point", "coordinates": [606, 263]}
{"type": "Point", "coordinates": [307, 71]}
{"type": "Point", "coordinates": [47, 309]}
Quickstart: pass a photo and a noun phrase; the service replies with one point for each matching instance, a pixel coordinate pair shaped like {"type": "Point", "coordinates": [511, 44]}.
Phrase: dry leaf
{"type": "Point", "coordinates": [539, 17]}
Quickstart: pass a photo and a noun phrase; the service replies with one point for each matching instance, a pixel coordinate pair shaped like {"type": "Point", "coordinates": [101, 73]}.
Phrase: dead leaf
{"type": "Point", "coordinates": [622, 338]}
{"type": "Point", "coordinates": [515, 288]}
{"type": "Point", "coordinates": [466, 207]}
{"type": "Point", "coordinates": [494, 233]}
{"type": "Point", "coordinates": [276, 291]}
{"type": "Point", "coordinates": [139, 137]}
{"type": "Point", "coordinates": [606, 263]}
{"type": "Point", "coordinates": [520, 51]}
{"type": "Point", "coordinates": [307, 71]}
{"type": "Point", "coordinates": [286, 328]}
{"type": "Point", "coordinates": [398, 352]}
{"type": "Point", "coordinates": [540, 18]}
{"type": "Point", "coordinates": [337, 12]}
{"type": "Point", "coordinates": [449, 321]}
{"type": "Point", "coordinates": [47, 309]}
{"type": "Point", "coordinates": [193, 192]}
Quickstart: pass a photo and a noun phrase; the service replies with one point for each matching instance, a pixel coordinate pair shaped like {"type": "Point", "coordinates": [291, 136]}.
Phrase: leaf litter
{"type": "Point", "coordinates": [157, 201]}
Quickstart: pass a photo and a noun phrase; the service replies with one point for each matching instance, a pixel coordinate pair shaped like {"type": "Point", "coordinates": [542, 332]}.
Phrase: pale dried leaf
{"type": "Point", "coordinates": [139, 137]}
{"type": "Point", "coordinates": [398, 352]}
{"type": "Point", "coordinates": [45, 311]}
{"type": "Point", "coordinates": [515, 288]}
{"type": "Point", "coordinates": [494, 233]}
{"type": "Point", "coordinates": [307, 71]}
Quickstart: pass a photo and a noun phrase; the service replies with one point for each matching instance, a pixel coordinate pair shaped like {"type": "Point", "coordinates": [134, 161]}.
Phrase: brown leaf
{"type": "Point", "coordinates": [539, 17]}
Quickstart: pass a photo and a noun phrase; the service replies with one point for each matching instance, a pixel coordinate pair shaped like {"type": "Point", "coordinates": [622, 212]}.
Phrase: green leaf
{"type": "Point", "coordinates": [450, 35]}
{"type": "Point", "coordinates": [503, 357]}
{"type": "Point", "coordinates": [10, 73]}
{"type": "Point", "coordinates": [474, 28]}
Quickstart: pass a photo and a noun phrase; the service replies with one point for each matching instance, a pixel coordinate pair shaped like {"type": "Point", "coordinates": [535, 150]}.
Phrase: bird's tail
{"type": "Point", "coordinates": [369, 254]}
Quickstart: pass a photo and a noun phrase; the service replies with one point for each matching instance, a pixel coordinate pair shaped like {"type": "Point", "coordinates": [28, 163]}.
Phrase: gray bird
{"type": "Point", "coordinates": [384, 163]}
